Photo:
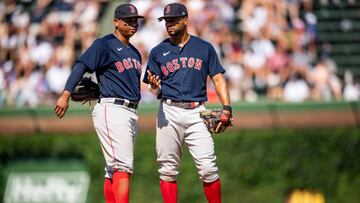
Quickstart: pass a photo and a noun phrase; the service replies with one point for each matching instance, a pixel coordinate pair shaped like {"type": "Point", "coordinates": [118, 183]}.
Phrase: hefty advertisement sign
{"type": "Point", "coordinates": [47, 187]}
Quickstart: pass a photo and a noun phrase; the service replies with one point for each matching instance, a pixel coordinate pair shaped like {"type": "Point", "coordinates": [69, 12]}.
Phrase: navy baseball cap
{"type": "Point", "coordinates": [174, 10]}
{"type": "Point", "coordinates": [126, 11]}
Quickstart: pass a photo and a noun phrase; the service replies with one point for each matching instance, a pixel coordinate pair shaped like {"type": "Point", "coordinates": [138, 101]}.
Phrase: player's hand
{"type": "Point", "coordinates": [154, 80]}
{"type": "Point", "coordinates": [225, 120]}
{"type": "Point", "coordinates": [62, 104]}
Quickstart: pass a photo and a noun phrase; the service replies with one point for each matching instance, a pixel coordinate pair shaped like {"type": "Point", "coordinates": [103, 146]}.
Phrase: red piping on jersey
{"type": "Point", "coordinates": [108, 134]}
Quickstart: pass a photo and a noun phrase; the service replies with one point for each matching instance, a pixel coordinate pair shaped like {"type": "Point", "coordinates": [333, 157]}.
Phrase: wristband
{"type": "Point", "coordinates": [227, 108]}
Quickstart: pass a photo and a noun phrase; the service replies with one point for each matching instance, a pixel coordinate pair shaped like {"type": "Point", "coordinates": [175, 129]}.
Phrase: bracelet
{"type": "Point", "coordinates": [227, 108]}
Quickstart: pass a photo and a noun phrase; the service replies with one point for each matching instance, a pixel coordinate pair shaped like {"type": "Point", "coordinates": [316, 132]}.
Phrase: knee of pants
{"type": "Point", "coordinates": [168, 173]}
{"type": "Point", "coordinates": [110, 169]}
{"type": "Point", "coordinates": [208, 173]}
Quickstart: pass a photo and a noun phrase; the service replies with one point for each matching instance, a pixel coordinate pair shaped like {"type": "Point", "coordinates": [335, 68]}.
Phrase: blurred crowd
{"type": "Point", "coordinates": [39, 43]}
{"type": "Point", "coordinates": [268, 47]}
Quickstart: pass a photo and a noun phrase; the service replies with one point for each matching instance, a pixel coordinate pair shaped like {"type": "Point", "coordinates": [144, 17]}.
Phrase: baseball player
{"type": "Point", "coordinates": [117, 64]}
{"type": "Point", "coordinates": [177, 72]}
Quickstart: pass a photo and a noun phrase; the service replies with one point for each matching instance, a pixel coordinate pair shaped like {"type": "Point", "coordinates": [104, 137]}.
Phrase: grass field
{"type": "Point", "coordinates": [256, 166]}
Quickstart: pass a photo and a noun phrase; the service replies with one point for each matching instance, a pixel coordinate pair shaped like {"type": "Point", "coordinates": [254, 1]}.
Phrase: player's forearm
{"type": "Point", "coordinates": [221, 89]}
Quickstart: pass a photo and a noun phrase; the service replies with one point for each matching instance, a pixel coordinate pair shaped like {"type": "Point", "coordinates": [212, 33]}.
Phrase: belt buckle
{"type": "Point", "coordinates": [169, 102]}
{"type": "Point", "coordinates": [126, 102]}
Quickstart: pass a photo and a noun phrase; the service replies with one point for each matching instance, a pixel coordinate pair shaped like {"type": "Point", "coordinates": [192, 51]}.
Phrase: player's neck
{"type": "Point", "coordinates": [180, 39]}
{"type": "Point", "coordinates": [122, 38]}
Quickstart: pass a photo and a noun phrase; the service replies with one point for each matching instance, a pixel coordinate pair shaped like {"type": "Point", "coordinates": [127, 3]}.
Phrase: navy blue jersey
{"type": "Point", "coordinates": [183, 71]}
{"type": "Point", "coordinates": [117, 67]}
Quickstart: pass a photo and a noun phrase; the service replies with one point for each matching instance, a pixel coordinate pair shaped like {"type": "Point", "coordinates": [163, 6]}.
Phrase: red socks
{"type": "Point", "coordinates": [213, 191]}
{"type": "Point", "coordinates": [121, 187]}
{"type": "Point", "coordinates": [118, 190]}
{"type": "Point", "coordinates": [168, 191]}
{"type": "Point", "coordinates": [109, 195]}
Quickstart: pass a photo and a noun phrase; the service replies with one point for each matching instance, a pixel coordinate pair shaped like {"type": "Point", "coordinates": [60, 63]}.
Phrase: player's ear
{"type": "Point", "coordinates": [186, 20]}
{"type": "Point", "coordinates": [116, 23]}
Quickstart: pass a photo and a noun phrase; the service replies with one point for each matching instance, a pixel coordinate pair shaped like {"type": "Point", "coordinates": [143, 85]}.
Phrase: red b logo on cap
{"type": "Point", "coordinates": [132, 9]}
{"type": "Point", "coordinates": [167, 9]}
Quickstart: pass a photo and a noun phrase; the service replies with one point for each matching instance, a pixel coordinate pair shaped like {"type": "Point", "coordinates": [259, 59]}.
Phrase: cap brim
{"type": "Point", "coordinates": [161, 18]}
{"type": "Point", "coordinates": [136, 16]}
{"type": "Point", "coordinates": [165, 17]}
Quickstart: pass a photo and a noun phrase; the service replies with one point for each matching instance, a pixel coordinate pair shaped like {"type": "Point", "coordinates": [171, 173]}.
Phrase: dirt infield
{"type": "Point", "coordinates": [242, 120]}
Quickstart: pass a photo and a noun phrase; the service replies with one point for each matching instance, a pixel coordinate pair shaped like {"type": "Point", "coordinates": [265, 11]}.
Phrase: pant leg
{"type": "Point", "coordinates": [116, 128]}
{"type": "Point", "coordinates": [201, 146]}
{"type": "Point", "coordinates": [169, 142]}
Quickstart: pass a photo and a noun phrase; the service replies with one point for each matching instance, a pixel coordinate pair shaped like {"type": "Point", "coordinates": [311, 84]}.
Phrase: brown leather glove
{"type": "Point", "coordinates": [216, 120]}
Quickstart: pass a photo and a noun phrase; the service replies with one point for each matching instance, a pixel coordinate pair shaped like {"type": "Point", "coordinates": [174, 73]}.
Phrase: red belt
{"type": "Point", "coordinates": [181, 104]}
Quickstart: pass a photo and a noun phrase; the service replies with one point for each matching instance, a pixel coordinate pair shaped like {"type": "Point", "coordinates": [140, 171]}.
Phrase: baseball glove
{"type": "Point", "coordinates": [86, 90]}
{"type": "Point", "coordinates": [215, 120]}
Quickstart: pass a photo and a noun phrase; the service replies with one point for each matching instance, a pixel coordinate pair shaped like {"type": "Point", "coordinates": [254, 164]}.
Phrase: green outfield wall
{"type": "Point", "coordinates": [269, 115]}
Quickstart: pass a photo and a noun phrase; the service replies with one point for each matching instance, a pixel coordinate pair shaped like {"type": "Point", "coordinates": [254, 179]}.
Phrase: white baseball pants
{"type": "Point", "coordinates": [176, 127]}
{"type": "Point", "coordinates": [116, 128]}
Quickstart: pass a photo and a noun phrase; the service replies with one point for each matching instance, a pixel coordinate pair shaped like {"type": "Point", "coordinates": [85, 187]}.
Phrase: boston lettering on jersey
{"type": "Point", "coordinates": [128, 63]}
{"type": "Point", "coordinates": [183, 71]}
{"type": "Point", "coordinates": [182, 62]}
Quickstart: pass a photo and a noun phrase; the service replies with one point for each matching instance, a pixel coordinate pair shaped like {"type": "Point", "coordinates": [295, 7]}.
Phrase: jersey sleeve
{"type": "Point", "coordinates": [95, 56]}
{"type": "Point", "coordinates": [75, 76]}
{"type": "Point", "coordinates": [152, 66]}
{"type": "Point", "coordinates": [214, 64]}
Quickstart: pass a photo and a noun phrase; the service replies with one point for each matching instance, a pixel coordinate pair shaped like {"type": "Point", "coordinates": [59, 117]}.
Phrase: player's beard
{"type": "Point", "coordinates": [174, 32]}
